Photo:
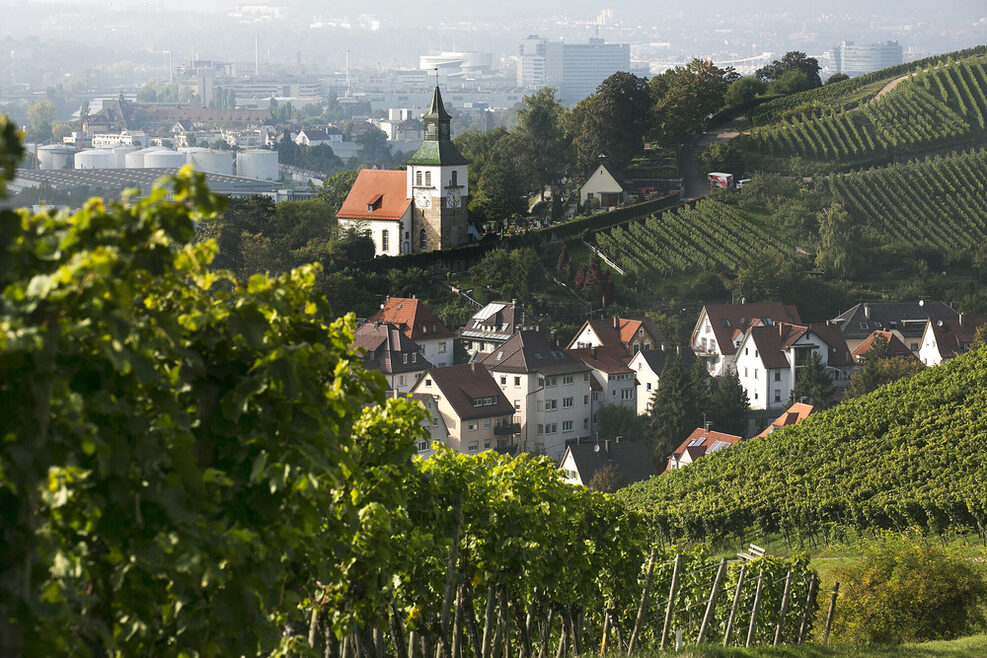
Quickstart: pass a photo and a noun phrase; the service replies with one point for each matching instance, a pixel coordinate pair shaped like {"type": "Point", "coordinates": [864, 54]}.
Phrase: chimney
{"type": "Point", "coordinates": [867, 310]}
{"type": "Point", "coordinates": [616, 323]}
{"type": "Point", "coordinates": [593, 351]}
{"type": "Point", "coordinates": [473, 367]}
{"type": "Point", "coordinates": [606, 446]}
{"type": "Point", "coordinates": [961, 319]}
{"type": "Point", "coordinates": [706, 425]}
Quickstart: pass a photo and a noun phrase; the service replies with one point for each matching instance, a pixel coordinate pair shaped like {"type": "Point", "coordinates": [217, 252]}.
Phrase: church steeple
{"type": "Point", "coordinates": [437, 149]}
{"type": "Point", "coordinates": [436, 119]}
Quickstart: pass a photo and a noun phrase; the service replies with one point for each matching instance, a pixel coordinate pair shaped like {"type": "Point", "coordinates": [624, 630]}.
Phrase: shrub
{"type": "Point", "coordinates": [907, 590]}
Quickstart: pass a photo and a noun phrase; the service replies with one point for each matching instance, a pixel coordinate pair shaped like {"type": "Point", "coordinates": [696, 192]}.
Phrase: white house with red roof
{"type": "Point", "coordinates": [378, 203]}
{"type": "Point", "coordinates": [633, 335]}
{"type": "Point", "coordinates": [720, 327]}
{"type": "Point", "coordinates": [947, 337]}
{"type": "Point", "coordinates": [701, 442]}
{"type": "Point", "coordinates": [419, 324]}
{"type": "Point", "coordinates": [767, 358]}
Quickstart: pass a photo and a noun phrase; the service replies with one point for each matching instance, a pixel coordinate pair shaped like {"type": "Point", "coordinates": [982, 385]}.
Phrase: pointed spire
{"type": "Point", "coordinates": [435, 109]}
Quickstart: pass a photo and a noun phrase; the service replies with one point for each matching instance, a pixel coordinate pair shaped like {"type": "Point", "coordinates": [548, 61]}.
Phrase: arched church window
{"type": "Point", "coordinates": [455, 176]}
{"type": "Point", "coordinates": [423, 239]}
{"type": "Point", "coordinates": [418, 178]}
{"type": "Point", "coordinates": [428, 178]}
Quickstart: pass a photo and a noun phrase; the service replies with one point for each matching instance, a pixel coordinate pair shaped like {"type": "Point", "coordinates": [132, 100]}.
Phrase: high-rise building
{"type": "Point", "coordinates": [575, 69]}
{"type": "Point", "coordinates": [857, 59]}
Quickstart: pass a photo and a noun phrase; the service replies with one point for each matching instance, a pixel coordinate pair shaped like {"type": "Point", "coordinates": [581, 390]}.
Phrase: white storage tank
{"type": "Point", "coordinates": [94, 159]}
{"type": "Point", "coordinates": [213, 161]}
{"type": "Point", "coordinates": [164, 159]}
{"type": "Point", "coordinates": [56, 156]}
{"type": "Point", "coordinates": [135, 159]}
{"type": "Point", "coordinates": [120, 155]}
{"type": "Point", "coordinates": [258, 164]}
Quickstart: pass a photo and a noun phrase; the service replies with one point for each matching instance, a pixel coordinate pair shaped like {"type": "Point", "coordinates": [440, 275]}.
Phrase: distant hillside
{"type": "Point", "coordinates": [911, 453]}
{"type": "Point", "coordinates": [912, 109]}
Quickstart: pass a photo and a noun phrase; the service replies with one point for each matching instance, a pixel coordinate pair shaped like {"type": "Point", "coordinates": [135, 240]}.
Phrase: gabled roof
{"type": "Point", "coordinates": [531, 351]}
{"type": "Point", "coordinates": [728, 318]}
{"type": "Point", "coordinates": [463, 385]}
{"type": "Point", "coordinates": [905, 317]}
{"type": "Point", "coordinates": [656, 359]}
{"type": "Point", "coordinates": [703, 442]}
{"type": "Point", "coordinates": [631, 458]}
{"type": "Point", "coordinates": [385, 346]}
{"type": "Point", "coordinates": [620, 331]}
{"type": "Point", "coordinates": [954, 334]}
{"type": "Point", "coordinates": [414, 319]}
{"type": "Point", "coordinates": [794, 414]}
{"type": "Point", "coordinates": [385, 187]}
{"type": "Point", "coordinates": [315, 134]}
{"type": "Point", "coordinates": [611, 359]}
{"type": "Point", "coordinates": [772, 341]}
{"type": "Point", "coordinates": [895, 346]}
{"type": "Point", "coordinates": [605, 167]}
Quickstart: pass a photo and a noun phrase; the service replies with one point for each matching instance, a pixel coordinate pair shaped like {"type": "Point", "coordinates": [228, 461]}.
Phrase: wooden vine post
{"type": "Point", "coordinates": [831, 612]}
{"type": "Point", "coordinates": [644, 601]}
{"type": "Point", "coordinates": [735, 606]}
{"type": "Point", "coordinates": [757, 604]}
{"type": "Point", "coordinates": [711, 603]}
{"type": "Point", "coordinates": [784, 608]}
{"type": "Point", "coordinates": [809, 598]}
{"type": "Point", "coordinates": [670, 608]}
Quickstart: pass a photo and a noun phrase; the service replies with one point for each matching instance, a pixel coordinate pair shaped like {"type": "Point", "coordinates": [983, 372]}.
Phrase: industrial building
{"type": "Point", "coordinates": [574, 69]}
{"type": "Point", "coordinates": [856, 59]}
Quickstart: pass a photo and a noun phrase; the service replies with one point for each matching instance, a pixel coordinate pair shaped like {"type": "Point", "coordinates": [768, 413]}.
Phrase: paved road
{"type": "Point", "coordinates": [693, 180]}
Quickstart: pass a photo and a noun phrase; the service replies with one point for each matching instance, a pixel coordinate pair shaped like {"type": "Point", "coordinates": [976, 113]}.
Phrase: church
{"type": "Point", "coordinates": [422, 208]}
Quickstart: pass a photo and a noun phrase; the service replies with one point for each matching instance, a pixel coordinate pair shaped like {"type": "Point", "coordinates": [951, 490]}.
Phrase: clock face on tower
{"type": "Point", "coordinates": [423, 198]}
{"type": "Point", "coordinates": [453, 199]}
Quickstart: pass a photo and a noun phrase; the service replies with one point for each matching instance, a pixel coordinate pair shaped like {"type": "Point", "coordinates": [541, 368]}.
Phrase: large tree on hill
{"type": "Point", "coordinates": [612, 122]}
{"type": "Point", "coordinates": [541, 139]}
{"type": "Point", "coordinates": [791, 61]}
{"type": "Point", "coordinates": [683, 98]}
{"type": "Point", "coordinates": [840, 248]}
{"type": "Point", "coordinates": [813, 385]}
{"type": "Point", "coordinates": [500, 191]}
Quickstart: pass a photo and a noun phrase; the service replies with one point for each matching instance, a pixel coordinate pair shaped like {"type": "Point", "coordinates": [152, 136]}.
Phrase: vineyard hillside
{"type": "Point", "coordinates": [909, 454]}
{"type": "Point", "coordinates": [934, 106]}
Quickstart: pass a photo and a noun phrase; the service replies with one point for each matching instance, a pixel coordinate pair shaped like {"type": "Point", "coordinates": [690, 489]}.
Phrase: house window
{"type": "Point", "coordinates": [777, 395]}
{"type": "Point", "coordinates": [541, 382]}
{"type": "Point", "coordinates": [454, 181]}
{"type": "Point", "coordinates": [551, 428]}
{"type": "Point", "coordinates": [400, 380]}
{"type": "Point", "coordinates": [649, 386]}
{"type": "Point", "coordinates": [755, 395]}
{"type": "Point", "coordinates": [486, 444]}
{"type": "Point", "coordinates": [442, 347]}
{"type": "Point", "coordinates": [585, 399]}
{"type": "Point", "coordinates": [566, 403]}
{"type": "Point", "coordinates": [746, 352]}
{"type": "Point", "coordinates": [778, 375]}
{"type": "Point", "coordinates": [404, 358]}
{"type": "Point", "coordinates": [428, 179]}
{"type": "Point", "coordinates": [585, 376]}
{"type": "Point", "coordinates": [422, 446]}
{"type": "Point", "coordinates": [503, 380]}
{"type": "Point", "coordinates": [585, 423]}
{"type": "Point", "coordinates": [486, 424]}
{"type": "Point", "coordinates": [385, 240]}
{"type": "Point", "coordinates": [418, 177]}
{"type": "Point", "coordinates": [745, 374]}
{"type": "Point", "coordinates": [541, 428]}
{"type": "Point", "coordinates": [567, 426]}
{"type": "Point", "coordinates": [755, 373]}
{"type": "Point", "coordinates": [567, 380]}
{"type": "Point", "coordinates": [472, 427]}
{"type": "Point", "coordinates": [552, 381]}
{"type": "Point", "coordinates": [914, 347]}
{"type": "Point", "coordinates": [473, 446]}
{"type": "Point", "coordinates": [551, 405]}
{"type": "Point", "coordinates": [517, 405]}
{"type": "Point", "coordinates": [627, 394]}
{"type": "Point", "coordinates": [428, 382]}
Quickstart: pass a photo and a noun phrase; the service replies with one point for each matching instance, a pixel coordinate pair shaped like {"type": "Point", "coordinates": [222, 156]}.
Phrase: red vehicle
{"type": "Point", "coordinates": [720, 180]}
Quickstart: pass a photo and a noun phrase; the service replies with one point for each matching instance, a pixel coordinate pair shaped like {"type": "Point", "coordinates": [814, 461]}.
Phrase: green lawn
{"type": "Point", "coordinates": [975, 645]}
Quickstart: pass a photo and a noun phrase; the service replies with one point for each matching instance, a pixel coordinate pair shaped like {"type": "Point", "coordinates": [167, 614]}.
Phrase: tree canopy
{"type": "Point", "coordinates": [612, 122]}
{"type": "Point", "coordinates": [792, 61]}
{"type": "Point", "coordinates": [685, 96]}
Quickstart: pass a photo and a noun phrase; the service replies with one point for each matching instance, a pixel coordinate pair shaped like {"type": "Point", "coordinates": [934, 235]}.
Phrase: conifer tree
{"type": "Point", "coordinates": [729, 404]}
{"type": "Point", "coordinates": [813, 384]}
{"type": "Point", "coordinates": [676, 407]}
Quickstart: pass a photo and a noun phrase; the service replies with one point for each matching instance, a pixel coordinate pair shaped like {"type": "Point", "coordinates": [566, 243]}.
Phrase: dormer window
{"type": "Point", "coordinates": [375, 203]}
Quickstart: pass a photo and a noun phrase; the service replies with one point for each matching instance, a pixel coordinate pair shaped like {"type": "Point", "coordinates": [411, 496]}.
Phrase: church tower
{"type": "Point", "coordinates": [437, 185]}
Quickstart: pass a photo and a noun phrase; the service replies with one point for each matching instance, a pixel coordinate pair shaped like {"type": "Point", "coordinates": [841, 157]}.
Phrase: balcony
{"type": "Point", "coordinates": [507, 429]}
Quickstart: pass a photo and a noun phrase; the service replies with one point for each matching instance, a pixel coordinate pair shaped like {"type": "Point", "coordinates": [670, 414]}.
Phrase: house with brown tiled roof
{"type": "Point", "coordinates": [720, 326]}
{"type": "Point", "coordinates": [612, 373]}
{"type": "Point", "coordinates": [702, 442]}
{"type": "Point", "coordinates": [418, 323]}
{"type": "Point", "coordinates": [633, 335]}
{"type": "Point", "coordinates": [378, 203]}
{"type": "Point", "coordinates": [549, 389]}
{"type": "Point", "coordinates": [894, 345]}
{"type": "Point", "coordinates": [386, 349]}
{"type": "Point", "coordinates": [905, 319]}
{"type": "Point", "coordinates": [794, 414]}
{"type": "Point", "coordinates": [944, 338]}
{"type": "Point", "coordinates": [768, 357]}
{"type": "Point", "coordinates": [476, 414]}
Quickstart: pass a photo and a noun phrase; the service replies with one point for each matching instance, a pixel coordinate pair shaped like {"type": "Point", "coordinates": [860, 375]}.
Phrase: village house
{"type": "Point", "coordinates": [312, 137]}
{"type": "Point", "coordinates": [630, 459]}
{"type": "Point", "coordinates": [492, 326]}
{"type": "Point", "coordinates": [702, 442]}
{"type": "Point", "coordinates": [719, 327]}
{"type": "Point", "coordinates": [602, 188]}
{"type": "Point", "coordinates": [433, 423]}
{"type": "Point", "coordinates": [894, 347]}
{"type": "Point", "coordinates": [647, 366]}
{"type": "Point", "coordinates": [419, 324]}
{"type": "Point", "coordinates": [769, 355]}
{"type": "Point", "coordinates": [388, 350]}
{"type": "Point", "coordinates": [378, 204]}
{"type": "Point", "coordinates": [611, 379]}
{"type": "Point", "coordinates": [904, 319]}
{"type": "Point", "coordinates": [633, 335]}
{"type": "Point", "coordinates": [550, 391]}
{"type": "Point", "coordinates": [944, 338]}
{"type": "Point", "coordinates": [475, 412]}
